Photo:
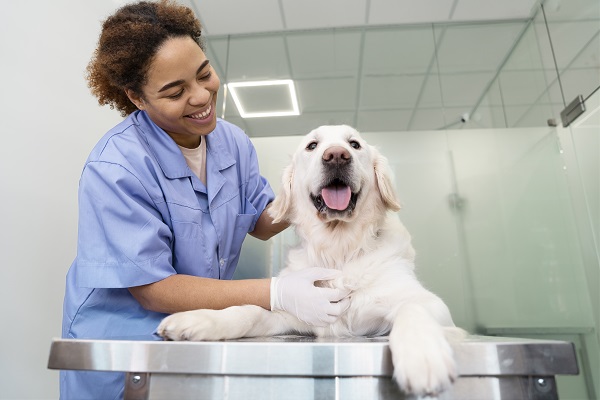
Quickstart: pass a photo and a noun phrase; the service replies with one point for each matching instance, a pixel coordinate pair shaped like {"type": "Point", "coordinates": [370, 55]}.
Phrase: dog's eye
{"type": "Point", "coordinates": [354, 144]}
{"type": "Point", "coordinates": [311, 146]}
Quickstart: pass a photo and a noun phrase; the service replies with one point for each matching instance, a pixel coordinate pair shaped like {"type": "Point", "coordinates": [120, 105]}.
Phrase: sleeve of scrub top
{"type": "Point", "coordinates": [258, 190]}
{"type": "Point", "coordinates": [122, 239]}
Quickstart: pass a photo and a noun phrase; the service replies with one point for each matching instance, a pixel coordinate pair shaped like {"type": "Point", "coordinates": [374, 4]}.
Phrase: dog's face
{"type": "Point", "coordinates": [332, 174]}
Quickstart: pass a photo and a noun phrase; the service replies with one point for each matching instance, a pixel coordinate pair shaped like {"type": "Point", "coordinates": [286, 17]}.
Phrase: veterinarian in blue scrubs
{"type": "Point", "coordinates": [166, 197]}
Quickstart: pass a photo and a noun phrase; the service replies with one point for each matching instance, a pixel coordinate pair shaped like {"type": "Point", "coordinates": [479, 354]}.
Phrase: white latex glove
{"type": "Point", "coordinates": [297, 294]}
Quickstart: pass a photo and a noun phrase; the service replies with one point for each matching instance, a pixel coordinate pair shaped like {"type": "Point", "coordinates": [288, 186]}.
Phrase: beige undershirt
{"type": "Point", "coordinates": [196, 159]}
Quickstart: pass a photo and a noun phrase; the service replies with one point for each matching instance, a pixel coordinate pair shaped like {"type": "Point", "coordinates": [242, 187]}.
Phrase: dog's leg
{"type": "Point", "coordinates": [422, 356]}
{"type": "Point", "coordinates": [230, 323]}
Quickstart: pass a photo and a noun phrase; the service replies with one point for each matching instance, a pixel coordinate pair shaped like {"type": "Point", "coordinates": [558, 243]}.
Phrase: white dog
{"type": "Point", "coordinates": [338, 194]}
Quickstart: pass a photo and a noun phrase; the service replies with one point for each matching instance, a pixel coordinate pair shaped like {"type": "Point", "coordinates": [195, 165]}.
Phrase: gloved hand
{"type": "Point", "coordinates": [297, 294]}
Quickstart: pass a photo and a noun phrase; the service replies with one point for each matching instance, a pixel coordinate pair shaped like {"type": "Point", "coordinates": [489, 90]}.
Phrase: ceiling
{"type": "Point", "coordinates": [285, 15]}
{"type": "Point", "coordinates": [395, 65]}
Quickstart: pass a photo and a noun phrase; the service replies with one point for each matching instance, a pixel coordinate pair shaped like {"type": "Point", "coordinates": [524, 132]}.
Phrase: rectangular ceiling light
{"type": "Point", "coordinates": [264, 98]}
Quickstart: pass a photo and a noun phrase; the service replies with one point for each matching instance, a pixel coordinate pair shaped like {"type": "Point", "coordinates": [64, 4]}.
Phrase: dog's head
{"type": "Point", "coordinates": [334, 174]}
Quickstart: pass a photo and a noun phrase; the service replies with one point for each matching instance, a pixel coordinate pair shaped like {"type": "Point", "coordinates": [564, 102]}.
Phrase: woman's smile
{"type": "Point", "coordinates": [202, 116]}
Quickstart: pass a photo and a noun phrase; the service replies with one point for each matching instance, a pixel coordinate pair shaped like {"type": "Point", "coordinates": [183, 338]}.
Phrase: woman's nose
{"type": "Point", "coordinates": [199, 95]}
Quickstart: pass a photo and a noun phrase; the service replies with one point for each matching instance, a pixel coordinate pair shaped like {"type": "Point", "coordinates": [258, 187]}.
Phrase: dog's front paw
{"type": "Point", "coordinates": [423, 362]}
{"type": "Point", "coordinates": [195, 326]}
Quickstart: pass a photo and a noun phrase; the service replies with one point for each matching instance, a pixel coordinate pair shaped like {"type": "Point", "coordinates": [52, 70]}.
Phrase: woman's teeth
{"type": "Point", "coordinates": [202, 115]}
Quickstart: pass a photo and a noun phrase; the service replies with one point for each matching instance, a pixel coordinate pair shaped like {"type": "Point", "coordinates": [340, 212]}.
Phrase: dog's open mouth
{"type": "Point", "coordinates": [336, 196]}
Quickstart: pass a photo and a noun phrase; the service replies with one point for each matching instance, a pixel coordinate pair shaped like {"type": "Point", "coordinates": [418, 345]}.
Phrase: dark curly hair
{"type": "Point", "coordinates": [129, 40]}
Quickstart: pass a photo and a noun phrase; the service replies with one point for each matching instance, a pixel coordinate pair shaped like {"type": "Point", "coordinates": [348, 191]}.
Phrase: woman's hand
{"type": "Point", "coordinates": [297, 294]}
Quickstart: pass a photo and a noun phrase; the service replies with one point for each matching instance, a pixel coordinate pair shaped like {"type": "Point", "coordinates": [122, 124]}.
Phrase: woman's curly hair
{"type": "Point", "coordinates": [129, 40]}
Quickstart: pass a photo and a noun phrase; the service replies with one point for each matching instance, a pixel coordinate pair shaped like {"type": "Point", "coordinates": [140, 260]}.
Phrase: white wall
{"type": "Point", "coordinates": [48, 124]}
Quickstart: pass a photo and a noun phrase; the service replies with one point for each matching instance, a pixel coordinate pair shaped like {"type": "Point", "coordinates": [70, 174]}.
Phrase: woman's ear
{"type": "Point", "coordinates": [383, 176]}
{"type": "Point", "coordinates": [281, 207]}
{"type": "Point", "coordinates": [135, 98]}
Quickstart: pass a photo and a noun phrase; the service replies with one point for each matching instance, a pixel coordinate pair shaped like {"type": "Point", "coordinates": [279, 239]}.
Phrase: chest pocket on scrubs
{"type": "Point", "coordinates": [243, 223]}
{"type": "Point", "coordinates": [246, 218]}
{"type": "Point", "coordinates": [191, 254]}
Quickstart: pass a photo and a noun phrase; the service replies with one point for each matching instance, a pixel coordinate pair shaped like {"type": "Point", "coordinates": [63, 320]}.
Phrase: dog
{"type": "Point", "coordinates": [337, 192]}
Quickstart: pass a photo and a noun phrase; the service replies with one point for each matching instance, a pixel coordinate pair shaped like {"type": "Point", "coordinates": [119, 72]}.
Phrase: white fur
{"type": "Point", "coordinates": [373, 250]}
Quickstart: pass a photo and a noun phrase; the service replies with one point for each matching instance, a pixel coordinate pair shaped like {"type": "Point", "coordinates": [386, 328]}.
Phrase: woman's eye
{"type": "Point", "coordinates": [205, 77]}
{"type": "Point", "coordinates": [354, 144]}
{"type": "Point", "coordinates": [311, 146]}
{"type": "Point", "coordinates": [176, 95]}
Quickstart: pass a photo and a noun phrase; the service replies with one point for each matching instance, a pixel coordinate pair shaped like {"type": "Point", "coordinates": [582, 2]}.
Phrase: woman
{"type": "Point", "coordinates": [167, 196]}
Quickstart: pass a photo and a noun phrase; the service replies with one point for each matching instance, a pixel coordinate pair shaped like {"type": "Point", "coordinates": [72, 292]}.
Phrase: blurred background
{"type": "Point", "coordinates": [464, 97]}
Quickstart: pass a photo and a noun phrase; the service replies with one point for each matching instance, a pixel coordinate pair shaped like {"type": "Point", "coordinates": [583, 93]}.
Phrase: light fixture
{"type": "Point", "coordinates": [256, 99]}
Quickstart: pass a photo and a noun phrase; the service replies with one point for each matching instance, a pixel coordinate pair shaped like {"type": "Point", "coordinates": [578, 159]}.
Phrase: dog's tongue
{"type": "Point", "coordinates": [336, 197]}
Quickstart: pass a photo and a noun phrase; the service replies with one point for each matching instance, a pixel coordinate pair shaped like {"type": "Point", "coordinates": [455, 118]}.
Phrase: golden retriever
{"type": "Point", "coordinates": [338, 194]}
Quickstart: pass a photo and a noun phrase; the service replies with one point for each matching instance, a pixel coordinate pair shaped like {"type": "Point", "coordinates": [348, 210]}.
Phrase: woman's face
{"type": "Point", "coordinates": [180, 95]}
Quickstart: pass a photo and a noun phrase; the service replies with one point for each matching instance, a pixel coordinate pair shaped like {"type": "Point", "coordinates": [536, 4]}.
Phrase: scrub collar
{"type": "Point", "coordinates": [166, 151]}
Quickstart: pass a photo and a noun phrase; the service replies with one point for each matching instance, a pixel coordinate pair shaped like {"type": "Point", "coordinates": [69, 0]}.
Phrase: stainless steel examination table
{"type": "Point", "coordinates": [292, 367]}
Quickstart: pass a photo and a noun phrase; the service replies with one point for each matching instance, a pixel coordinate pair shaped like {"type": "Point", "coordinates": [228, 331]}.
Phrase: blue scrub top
{"type": "Point", "coordinates": [143, 216]}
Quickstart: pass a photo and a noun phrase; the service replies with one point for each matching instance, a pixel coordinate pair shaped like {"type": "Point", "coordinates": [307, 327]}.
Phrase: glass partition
{"type": "Point", "coordinates": [581, 147]}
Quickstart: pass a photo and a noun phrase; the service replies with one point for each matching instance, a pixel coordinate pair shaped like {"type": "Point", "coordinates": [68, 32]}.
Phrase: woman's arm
{"type": "Point", "coordinates": [265, 228]}
{"type": "Point", "coordinates": [185, 292]}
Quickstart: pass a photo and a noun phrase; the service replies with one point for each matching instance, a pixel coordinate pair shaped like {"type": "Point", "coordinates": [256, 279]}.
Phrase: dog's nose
{"type": "Point", "coordinates": [336, 155]}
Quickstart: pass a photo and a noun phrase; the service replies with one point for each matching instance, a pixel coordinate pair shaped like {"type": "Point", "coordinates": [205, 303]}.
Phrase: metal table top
{"type": "Point", "coordinates": [476, 356]}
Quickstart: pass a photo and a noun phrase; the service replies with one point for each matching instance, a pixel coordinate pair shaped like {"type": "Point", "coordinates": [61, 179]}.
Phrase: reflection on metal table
{"type": "Point", "coordinates": [294, 367]}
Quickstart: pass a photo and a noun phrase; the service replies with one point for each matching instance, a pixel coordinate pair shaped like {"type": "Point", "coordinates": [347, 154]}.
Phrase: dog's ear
{"type": "Point", "coordinates": [383, 176]}
{"type": "Point", "coordinates": [281, 206]}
